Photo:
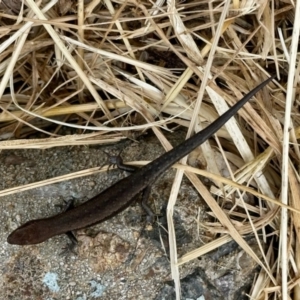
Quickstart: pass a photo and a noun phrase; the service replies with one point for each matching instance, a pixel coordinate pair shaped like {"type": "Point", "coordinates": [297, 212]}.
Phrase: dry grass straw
{"type": "Point", "coordinates": [99, 66]}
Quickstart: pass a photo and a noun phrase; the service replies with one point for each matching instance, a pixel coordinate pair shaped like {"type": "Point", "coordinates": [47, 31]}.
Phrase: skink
{"type": "Point", "coordinates": [121, 194]}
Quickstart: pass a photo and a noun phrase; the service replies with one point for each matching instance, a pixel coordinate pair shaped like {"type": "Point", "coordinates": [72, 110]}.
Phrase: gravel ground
{"type": "Point", "coordinates": [119, 258]}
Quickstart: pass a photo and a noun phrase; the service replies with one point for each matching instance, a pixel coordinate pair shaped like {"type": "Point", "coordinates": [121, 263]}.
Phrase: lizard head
{"type": "Point", "coordinates": [32, 232]}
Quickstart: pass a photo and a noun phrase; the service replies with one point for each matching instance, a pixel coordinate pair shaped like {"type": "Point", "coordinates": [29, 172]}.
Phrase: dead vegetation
{"type": "Point", "coordinates": [110, 69]}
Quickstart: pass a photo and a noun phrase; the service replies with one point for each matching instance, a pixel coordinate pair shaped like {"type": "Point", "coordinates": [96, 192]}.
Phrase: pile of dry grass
{"type": "Point", "coordinates": [107, 69]}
